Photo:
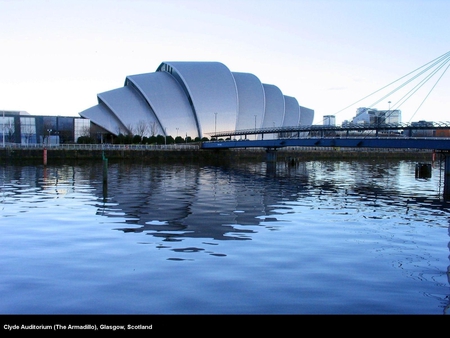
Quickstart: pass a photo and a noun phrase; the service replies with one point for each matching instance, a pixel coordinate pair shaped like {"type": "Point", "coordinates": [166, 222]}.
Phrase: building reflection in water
{"type": "Point", "coordinates": [194, 201]}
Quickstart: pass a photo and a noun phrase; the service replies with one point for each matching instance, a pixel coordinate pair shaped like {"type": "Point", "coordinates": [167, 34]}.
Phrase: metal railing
{"type": "Point", "coordinates": [105, 146]}
{"type": "Point", "coordinates": [351, 137]}
{"type": "Point", "coordinates": [334, 128]}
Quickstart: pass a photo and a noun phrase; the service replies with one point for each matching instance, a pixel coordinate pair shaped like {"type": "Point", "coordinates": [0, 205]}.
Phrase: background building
{"type": "Point", "coordinates": [329, 120]}
{"type": "Point", "coordinates": [21, 127]}
{"type": "Point", "coordinates": [375, 116]}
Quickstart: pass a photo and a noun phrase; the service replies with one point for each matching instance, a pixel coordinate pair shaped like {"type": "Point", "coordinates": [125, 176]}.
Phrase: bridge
{"type": "Point", "coordinates": [395, 135]}
{"type": "Point", "coordinates": [416, 135]}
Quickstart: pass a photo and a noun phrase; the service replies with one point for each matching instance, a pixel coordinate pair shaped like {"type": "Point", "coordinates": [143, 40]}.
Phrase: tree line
{"type": "Point", "coordinates": [138, 139]}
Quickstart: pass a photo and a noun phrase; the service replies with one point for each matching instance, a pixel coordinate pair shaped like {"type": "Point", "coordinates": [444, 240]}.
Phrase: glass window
{"type": "Point", "coordinates": [28, 130]}
{"type": "Point", "coordinates": [7, 128]}
{"type": "Point", "coordinates": [82, 128]}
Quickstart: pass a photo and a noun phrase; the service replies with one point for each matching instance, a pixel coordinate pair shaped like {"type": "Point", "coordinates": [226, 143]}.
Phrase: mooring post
{"type": "Point", "coordinates": [105, 168]}
{"type": "Point", "coordinates": [45, 156]}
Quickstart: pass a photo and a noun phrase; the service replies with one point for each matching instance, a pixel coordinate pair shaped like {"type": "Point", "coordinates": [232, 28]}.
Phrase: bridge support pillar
{"type": "Point", "coordinates": [446, 175]}
{"type": "Point", "coordinates": [271, 155]}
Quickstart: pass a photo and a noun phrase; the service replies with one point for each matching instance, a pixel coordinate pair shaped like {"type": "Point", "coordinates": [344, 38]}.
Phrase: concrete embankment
{"type": "Point", "coordinates": [36, 155]}
{"type": "Point", "coordinates": [56, 154]}
{"type": "Point", "coordinates": [356, 154]}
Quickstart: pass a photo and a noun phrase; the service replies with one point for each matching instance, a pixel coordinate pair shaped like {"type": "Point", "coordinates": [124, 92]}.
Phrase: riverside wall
{"type": "Point", "coordinates": [36, 155]}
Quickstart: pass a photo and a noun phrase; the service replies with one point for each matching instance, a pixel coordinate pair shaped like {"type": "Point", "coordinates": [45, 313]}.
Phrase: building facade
{"type": "Point", "coordinates": [21, 127]}
{"type": "Point", "coordinates": [329, 120]}
{"type": "Point", "coordinates": [375, 116]}
{"type": "Point", "coordinates": [194, 99]}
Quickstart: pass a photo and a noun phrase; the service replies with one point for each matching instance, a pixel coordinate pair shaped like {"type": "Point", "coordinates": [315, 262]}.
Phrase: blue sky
{"type": "Point", "coordinates": [57, 55]}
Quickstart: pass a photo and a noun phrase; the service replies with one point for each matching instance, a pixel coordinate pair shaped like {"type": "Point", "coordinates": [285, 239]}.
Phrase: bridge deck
{"type": "Point", "coordinates": [434, 143]}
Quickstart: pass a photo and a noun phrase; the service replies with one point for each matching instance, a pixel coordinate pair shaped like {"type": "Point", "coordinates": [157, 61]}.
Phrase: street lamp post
{"type": "Point", "coordinates": [255, 126]}
{"type": "Point", "coordinates": [215, 125]}
{"type": "Point", "coordinates": [48, 137]}
{"type": "Point", "coordinates": [389, 112]}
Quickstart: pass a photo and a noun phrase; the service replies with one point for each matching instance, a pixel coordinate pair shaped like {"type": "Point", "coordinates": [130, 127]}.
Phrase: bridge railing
{"type": "Point", "coordinates": [350, 137]}
{"type": "Point", "coordinates": [421, 125]}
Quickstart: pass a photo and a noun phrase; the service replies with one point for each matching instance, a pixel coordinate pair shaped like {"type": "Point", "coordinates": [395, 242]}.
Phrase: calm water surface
{"type": "Point", "coordinates": [322, 237]}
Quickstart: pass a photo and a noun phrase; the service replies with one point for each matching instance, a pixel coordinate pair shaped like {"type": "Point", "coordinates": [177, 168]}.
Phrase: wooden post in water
{"type": "Point", "coordinates": [105, 177]}
{"type": "Point", "coordinates": [105, 168]}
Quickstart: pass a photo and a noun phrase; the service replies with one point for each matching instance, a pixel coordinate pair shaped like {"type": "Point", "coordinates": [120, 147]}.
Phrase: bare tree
{"type": "Point", "coordinates": [27, 132]}
{"type": "Point", "coordinates": [142, 128]}
{"type": "Point", "coordinates": [86, 131]}
{"type": "Point", "coordinates": [153, 128]}
{"type": "Point", "coordinates": [130, 129]}
{"type": "Point", "coordinates": [10, 131]}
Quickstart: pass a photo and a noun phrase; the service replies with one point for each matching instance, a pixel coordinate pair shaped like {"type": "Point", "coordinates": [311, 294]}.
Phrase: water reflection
{"type": "Point", "coordinates": [209, 201]}
{"type": "Point", "coordinates": [176, 203]}
{"type": "Point", "coordinates": [195, 201]}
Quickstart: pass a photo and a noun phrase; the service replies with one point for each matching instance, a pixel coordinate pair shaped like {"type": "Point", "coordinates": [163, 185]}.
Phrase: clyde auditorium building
{"type": "Point", "coordinates": [194, 99]}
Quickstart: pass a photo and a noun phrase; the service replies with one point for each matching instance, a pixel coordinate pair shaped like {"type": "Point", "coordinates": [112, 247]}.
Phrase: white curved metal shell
{"type": "Point", "coordinates": [130, 108]}
{"type": "Point", "coordinates": [251, 101]}
{"type": "Point", "coordinates": [291, 112]}
{"type": "Point", "coordinates": [211, 89]}
{"type": "Point", "coordinates": [274, 110]}
{"type": "Point", "coordinates": [167, 98]}
{"type": "Point", "coordinates": [306, 116]}
{"type": "Point", "coordinates": [104, 117]}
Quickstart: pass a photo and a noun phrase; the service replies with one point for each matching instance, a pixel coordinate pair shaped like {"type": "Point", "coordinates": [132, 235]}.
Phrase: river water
{"type": "Point", "coordinates": [319, 237]}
